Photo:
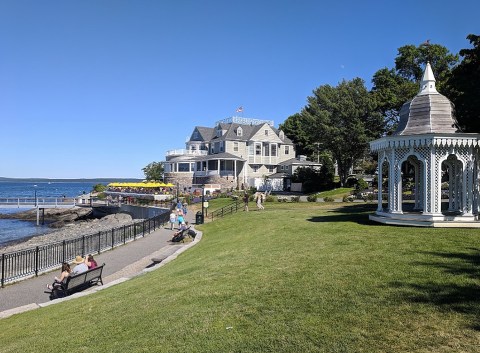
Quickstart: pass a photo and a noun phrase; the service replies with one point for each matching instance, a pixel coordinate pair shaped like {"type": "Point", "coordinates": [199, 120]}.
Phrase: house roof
{"type": "Point", "coordinates": [224, 156]}
{"type": "Point", "coordinates": [296, 161]}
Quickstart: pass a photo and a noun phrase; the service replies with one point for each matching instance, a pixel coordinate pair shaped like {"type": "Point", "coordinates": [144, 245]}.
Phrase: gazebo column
{"type": "Point", "coordinates": [467, 190]}
{"type": "Point", "coordinates": [395, 186]}
{"type": "Point", "coordinates": [380, 183]}
{"type": "Point", "coordinates": [430, 187]}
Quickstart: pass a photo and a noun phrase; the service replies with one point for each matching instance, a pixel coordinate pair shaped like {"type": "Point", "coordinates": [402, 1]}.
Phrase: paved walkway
{"type": "Point", "coordinates": [121, 263]}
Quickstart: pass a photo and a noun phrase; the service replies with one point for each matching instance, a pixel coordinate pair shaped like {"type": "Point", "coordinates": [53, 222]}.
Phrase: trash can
{"type": "Point", "coordinates": [199, 218]}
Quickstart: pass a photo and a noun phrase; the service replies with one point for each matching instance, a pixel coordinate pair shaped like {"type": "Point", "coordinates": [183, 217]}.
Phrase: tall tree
{"type": "Point", "coordinates": [153, 171]}
{"type": "Point", "coordinates": [346, 119]}
{"type": "Point", "coordinates": [298, 128]}
{"type": "Point", "coordinates": [464, 87]}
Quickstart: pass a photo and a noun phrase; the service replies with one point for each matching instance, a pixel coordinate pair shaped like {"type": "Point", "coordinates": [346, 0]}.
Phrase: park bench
{"type": "Point", "coordinates": [77, 283]}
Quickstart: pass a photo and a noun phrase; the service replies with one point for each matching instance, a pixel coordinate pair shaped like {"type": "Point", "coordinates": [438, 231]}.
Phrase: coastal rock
{"type": "Point", "coordinates": [56, 217]}
{"type": "Point", "coordinates": [73, 230]}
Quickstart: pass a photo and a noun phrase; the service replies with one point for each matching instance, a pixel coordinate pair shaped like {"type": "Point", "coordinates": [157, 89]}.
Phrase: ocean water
{"type": "Point", "coordinates": [12, 230]}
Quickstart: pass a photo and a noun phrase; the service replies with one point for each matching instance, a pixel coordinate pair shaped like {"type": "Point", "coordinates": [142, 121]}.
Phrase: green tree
{"type": "Point", "coordinates": [153, 171]}
{"type": "Point", "coordinates": [298, 128]}
{"type": "Point", "coordinates": [346, 119]}
{"type": "Point", "coordinates": [464, 87]}
{"type": "Point", "coordinates": [99, 188]}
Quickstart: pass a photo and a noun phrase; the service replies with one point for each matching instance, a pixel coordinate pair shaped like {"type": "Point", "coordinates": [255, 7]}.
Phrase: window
{"type": "Point", "coordinates": [266, 132]}
{"type": "Point", "coordinates": [266, 149]}
{"type": "Point", "coordinates": [239, 131]}
{"type": "Point", "coordinates": [195, 135]}
{"type": "Point", "coordinates": [271, 168]}
{"type": "Point", "coordinates": [235, 146]}
{"type": "Point", "coordinates": [258, 149]}
{"type": "Point", "coordinates": [287, 149]}
{"type": "Point", "coordinates": [282, 167]}
{"type": "Point", "coordinates": [255, 168]}
{"type": "Point", "coordinates": [274, 150]}
{"type": "Point", "coordinates": [250, 150]}
{"type": "Point", "coordinates": [221, 146]}
{"type": "Point", "coordinates": [183, 167]}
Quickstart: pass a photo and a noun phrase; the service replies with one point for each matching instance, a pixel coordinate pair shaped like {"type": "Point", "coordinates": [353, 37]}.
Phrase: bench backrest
{"type": "Point", "coordinates": [84, 277]}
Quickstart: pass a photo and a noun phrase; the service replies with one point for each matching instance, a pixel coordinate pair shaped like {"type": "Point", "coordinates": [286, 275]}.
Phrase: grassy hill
{"type": "Point", "coordinates": [297, 277]}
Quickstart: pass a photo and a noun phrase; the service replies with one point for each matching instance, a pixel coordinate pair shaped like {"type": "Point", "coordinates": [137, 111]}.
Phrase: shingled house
{"type": "Point", "coordinates": [238, 152]}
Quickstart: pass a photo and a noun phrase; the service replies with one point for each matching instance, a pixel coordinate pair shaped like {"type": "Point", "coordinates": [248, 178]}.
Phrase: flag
{"type": "Point", "coordinates": [239, 109]}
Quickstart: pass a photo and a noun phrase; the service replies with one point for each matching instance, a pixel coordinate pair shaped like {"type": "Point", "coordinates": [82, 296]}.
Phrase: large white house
{"type": "Point", "coordinates": [238, 152]}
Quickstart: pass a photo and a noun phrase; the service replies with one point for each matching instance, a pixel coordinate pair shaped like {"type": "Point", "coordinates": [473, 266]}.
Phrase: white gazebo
{"type": "Point", "coordinates": [429, 147]}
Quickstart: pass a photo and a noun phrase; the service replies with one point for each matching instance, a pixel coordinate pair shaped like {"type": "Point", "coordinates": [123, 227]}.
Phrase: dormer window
{"type": "Point", "coordinates": [195, 135]}
{"type": "Point", "coordinates": [266, 132]}
{"type": "Point", "coordinates": [239, 131]}
{"type": "Point", "coordinates": [282, 135]}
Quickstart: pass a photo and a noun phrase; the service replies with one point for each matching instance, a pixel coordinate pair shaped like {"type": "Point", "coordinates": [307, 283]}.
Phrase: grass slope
{"type": "Point", "coordinates": [294, 278]}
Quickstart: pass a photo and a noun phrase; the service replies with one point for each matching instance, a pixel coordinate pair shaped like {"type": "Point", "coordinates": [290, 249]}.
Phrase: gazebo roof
{"type": "Point", "coordinates": [428, 112]}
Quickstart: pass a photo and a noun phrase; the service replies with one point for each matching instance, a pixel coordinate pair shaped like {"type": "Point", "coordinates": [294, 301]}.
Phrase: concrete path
{"type": "Point", "coordinates": [121, 263]}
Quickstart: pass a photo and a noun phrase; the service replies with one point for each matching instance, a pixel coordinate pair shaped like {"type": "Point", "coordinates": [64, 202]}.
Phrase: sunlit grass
{"type": "Point", "coordinates": [296, 277]}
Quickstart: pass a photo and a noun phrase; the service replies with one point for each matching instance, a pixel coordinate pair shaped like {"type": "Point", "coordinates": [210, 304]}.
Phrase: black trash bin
{"type": "Point", "coordinates": [199, 218]}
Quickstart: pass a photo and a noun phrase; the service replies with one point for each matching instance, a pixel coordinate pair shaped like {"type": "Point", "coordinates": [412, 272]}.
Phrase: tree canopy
{"type": "Point", "coordinates": [463, 87]}
{"type": "Point", "coordinates": [153, 171]}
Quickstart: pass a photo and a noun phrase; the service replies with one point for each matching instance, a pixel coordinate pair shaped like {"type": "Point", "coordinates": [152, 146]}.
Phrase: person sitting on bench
{"type": "Point", "coordinates": [66, 270]}
{"type": "Point", "coordinates": [81, 265]}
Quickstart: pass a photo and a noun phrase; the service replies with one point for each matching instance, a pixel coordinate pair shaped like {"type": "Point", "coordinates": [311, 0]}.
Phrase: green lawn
{"type": "Point", "coordinates": [297, 277]}
{"type": "Point", "coordinates": [336, 193]}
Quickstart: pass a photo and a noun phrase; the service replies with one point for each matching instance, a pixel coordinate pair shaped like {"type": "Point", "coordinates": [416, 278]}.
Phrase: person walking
{"type": "Point", "coordinates": [259, 201]}
{"type": "Point", "coordinates": [173, 219]}
{"type": "Point", "coordinates": [245, 202]}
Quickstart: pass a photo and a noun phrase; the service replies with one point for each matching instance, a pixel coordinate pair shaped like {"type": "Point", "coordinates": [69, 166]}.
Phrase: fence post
{"type": "Point", "coordinates": [112, 237]}
{"type": "Point", "coordinates": [3, 269]}
{"type": "Point", "coordinates": [143, 233]}
{"type": "Point", "coordinates": [36, 261]}
{"type": "Point", "coordinates": [99, 240]}
{"type": "Point", "coordinates": [64, 249]}
{"type": "Point", "coordinates": [83, 245]}
{"type": "Point", "coordinates": [124, 235]}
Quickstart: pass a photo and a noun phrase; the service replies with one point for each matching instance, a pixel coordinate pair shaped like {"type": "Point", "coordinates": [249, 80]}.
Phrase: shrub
{"type": "Point", "coordinates": [295, 199]}
{"type": "Point", "coordinates": [312, 198]}
{"type": "Point", "coordinates": [328, 199]}
{"type": "Point", "coordinates": [281, 198]}
{"type": "Point", "coordinates": [349, 198]}
{"type": "Point", "coordinates": [270, 198]}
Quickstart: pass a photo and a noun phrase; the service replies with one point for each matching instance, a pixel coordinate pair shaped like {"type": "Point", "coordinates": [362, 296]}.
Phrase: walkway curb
{"type": "Point", "coordinates": [21, 309]}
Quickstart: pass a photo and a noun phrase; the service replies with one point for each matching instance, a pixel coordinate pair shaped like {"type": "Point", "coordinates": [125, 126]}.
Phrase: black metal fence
{"type": "Point", "coordinates": [31, 262]}
{"type": "Point", "coordinates": [226, 210]}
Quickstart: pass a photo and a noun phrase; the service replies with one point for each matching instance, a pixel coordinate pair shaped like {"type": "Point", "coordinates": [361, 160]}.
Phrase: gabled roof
{"type": "Point", "coordinates": [248, 131]}
{"type": "Point", "coordinates": [206, 133]}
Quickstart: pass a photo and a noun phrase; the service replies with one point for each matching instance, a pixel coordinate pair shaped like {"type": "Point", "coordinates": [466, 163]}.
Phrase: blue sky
{"type": "Point", "coordinates": [101, 88]}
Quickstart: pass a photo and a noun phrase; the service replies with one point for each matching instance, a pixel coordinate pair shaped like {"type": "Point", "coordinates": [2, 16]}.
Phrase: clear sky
{"type": "Point", "coordinates": [101, 88]}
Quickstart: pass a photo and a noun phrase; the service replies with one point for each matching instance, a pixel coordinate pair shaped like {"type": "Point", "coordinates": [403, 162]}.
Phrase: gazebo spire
{"type": "Point", "coordinates": [427, 86]}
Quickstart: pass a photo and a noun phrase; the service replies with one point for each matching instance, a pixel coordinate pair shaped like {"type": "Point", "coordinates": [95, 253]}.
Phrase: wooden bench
{"type": "Point", "coordinates": [77, 283]}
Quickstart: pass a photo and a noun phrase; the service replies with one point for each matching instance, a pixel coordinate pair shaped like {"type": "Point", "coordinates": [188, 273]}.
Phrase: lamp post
{"type": "Point", "coordinates": [36, 205]}
{"type": "Point", "coordinates": [203, 201]}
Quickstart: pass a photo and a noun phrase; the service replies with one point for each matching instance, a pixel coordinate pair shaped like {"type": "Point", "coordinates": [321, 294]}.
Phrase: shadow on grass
{"type": "Point", "coordinates": [454, 293]}
{"type": "Point", "coordinates": [357, 213]}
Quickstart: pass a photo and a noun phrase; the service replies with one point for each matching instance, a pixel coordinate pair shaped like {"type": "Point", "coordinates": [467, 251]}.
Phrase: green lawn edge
{"type": "Point", "coordinates": [296, 277]}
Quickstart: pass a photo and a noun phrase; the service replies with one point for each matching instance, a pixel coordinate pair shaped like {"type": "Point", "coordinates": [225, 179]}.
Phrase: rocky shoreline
{"type": "Point", "coordinates": [72, 222]}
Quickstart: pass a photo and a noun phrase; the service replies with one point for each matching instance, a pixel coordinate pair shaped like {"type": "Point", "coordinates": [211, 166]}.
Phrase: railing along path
{"type": "Point", "coordinates": [33, 261]}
